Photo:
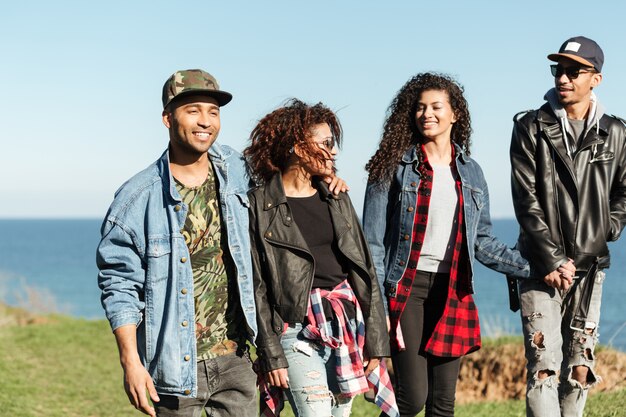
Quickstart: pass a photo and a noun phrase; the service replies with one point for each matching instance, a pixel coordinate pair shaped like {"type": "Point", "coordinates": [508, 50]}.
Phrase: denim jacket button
{"type": "Point", "coordinates": [183, 259]}
{"type": "Point", "coordinates": [177, 207]}
{"type": "Point", "coordinates": [187, 358]}
{"type": "Point", "coordinates": [413, 184]}
{"type": "Point", "coordinates": [401, 263]}
{"type": "Point", "coordinates": [185, 323]}
{"type": "Point", "coordinates": [183, 291]}
{"type": "Point", "coordinates": [410, 209]}
{"type": "Point", "coordinates": [187, 392]}
{"type": "Point", "coordinates": [407, 237]}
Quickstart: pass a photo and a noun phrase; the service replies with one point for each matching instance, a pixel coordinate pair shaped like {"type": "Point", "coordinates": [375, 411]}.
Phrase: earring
{"type": "Point", "coordinates": [291, 150]}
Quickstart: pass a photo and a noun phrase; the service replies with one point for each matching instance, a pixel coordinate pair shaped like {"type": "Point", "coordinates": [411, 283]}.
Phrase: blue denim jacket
{"type": "Point", "coordinates": [388, 215]}
{"type": "Point", "coordinates": [145, 273]}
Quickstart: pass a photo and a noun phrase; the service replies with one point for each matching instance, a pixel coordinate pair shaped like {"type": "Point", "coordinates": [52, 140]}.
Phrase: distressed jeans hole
{"type": "Point", "coordinates": [313, 375]}
{"type": "Point", "coordinates": [534, 316]}
{"type": "Point", "coordinates": [538, 340]}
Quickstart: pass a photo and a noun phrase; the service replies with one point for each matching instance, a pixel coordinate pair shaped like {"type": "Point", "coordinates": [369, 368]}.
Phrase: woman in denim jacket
{"type": "Point", "coordinates": [426, 217]}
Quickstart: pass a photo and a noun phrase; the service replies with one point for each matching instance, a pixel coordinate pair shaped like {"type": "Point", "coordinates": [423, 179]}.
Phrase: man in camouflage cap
{"type": "Point", "coordinates": [175, 267]}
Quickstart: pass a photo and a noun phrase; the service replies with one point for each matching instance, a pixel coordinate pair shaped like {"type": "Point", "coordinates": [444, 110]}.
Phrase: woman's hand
{"type": "Point", "coordinates": [336, 184]}
{"type": "Point", "coordinates": [371, 365]}
{"type": "Point", "coordinates": [278, 378]}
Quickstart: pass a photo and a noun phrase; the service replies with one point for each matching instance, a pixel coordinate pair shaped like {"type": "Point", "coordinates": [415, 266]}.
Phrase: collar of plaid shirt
{"type": "Point", "coordinates": [457, 332]}
{"type": "Point", "coordinates": [347, 342]}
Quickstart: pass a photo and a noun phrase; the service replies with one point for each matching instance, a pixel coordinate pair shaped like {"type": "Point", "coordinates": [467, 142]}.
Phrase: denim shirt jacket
{"type": "Point", "coordinates": [388, 216]}
{"type": "Point", "coordinates": [145, 272]}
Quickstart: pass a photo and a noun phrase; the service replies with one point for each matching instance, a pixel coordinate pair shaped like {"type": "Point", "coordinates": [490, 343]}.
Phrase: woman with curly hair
{"type": "Point", "coordinates": [426, 217]}
{"type": "Point", "coordinates": [322, 328]}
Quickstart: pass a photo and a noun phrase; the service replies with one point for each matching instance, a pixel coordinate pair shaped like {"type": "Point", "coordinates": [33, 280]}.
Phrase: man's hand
{"type": "Point", "coordinates": [278, 378]}
{"type": "Point", "coordinates": [136, 381]}
{"type": "Point", "coordinates": [136, 378]}
{"type": "Point", "coordinates": [371, 365]}
{"type": "Point", "coordinates": [562, 277]}
{"type": "Point", "coordinates": [336, 184]}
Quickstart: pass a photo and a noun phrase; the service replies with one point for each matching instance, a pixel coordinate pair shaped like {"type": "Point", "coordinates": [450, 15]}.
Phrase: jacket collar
{"type": "Point", "coordinates": [219, 153]}
{"type": "Point", "coordinates": [410, 155]}
{"type": "Point", "coordinates": [274, 193]}
{"type": "Point", "coordinates": [217, 156]}
{"type": "Point", "coordinates": [546, 116]}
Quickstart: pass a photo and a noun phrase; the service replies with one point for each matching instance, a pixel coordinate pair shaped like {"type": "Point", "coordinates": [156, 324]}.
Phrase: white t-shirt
{"type": "Point", "coordinates": [438, 246]}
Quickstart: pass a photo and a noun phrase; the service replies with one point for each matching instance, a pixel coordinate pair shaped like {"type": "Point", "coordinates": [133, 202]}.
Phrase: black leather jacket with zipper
{"type": "Point", "coordinates": [567, 206]}
{"type": "Point", "coordinates": [283, 270]}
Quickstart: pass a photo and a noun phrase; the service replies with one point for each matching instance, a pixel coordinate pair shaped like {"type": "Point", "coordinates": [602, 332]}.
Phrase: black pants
{"type": "Point", "coordinates": [423, 379]}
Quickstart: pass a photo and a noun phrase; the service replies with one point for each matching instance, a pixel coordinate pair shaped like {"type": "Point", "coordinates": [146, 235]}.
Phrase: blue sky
{"type": "Point", "coordinates": [81, 81]}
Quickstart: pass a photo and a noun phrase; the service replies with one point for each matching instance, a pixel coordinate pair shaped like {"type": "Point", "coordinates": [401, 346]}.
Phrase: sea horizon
{"type": "Point", "coordinates": [47, 265]}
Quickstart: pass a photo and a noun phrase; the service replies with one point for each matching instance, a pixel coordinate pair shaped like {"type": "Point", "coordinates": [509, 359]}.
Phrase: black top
{"type": "Point", "coordinates": [313, 219]}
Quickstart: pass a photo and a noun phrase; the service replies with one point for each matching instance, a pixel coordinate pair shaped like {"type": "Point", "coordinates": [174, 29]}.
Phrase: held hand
{"type": "Point", "coordinates": [371, 365]}
{"type": "Point", "coordinates": [278, 378]}
{"type": "Point", "coordinates": [336, 184]}
{"type": "Point", "coordinates": [568, 270]}
{"type": "Point", "coordinates": [553, 279]}
{"type": "Point", "coordinates": [136, 381]}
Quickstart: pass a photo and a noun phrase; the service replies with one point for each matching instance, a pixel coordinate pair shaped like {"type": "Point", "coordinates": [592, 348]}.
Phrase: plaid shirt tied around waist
{"type": "Point", "coordinates": [347, 341]}
{"type": "Point", "coordinates": [457, 332]}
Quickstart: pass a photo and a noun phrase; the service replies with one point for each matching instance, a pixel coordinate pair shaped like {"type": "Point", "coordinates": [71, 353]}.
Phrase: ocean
{"type": "Point", "coordinates": [49, 266]}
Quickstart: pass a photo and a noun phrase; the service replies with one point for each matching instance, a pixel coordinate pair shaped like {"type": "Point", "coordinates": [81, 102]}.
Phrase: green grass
{"type": "Point", "coordinates": [70, 368]}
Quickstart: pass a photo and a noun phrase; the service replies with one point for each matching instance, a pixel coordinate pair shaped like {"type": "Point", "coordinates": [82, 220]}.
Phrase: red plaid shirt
{"type": "Point", "coordinates": [457, 332]}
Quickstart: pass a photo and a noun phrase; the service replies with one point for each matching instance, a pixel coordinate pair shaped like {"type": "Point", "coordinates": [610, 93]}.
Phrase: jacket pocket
{"type": "Point", "coordinates": [158, 253]}
{"type": "Point", "coordinates": [243, 199]}
{"type": "Point", "coordinates": [477, 197]}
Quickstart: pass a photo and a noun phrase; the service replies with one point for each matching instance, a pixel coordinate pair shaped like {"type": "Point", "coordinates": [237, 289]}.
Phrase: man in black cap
{"type": "Point", "coordinates": [568, 179]}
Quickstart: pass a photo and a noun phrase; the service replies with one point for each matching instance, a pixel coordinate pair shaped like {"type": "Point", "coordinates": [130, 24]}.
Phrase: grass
{"type": "Point", "coordinates": [69, 368]}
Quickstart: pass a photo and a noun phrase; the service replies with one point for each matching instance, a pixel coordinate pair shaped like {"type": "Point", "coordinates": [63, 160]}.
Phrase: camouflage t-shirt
{"type": "Point", "coordinates": [218, 317]}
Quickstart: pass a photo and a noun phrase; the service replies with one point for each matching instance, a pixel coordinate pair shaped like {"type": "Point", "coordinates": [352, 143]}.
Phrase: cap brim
{"type": "Point", "coordinates": [222, 97]}
{"type": "Point", "coordinates": [557, 57]}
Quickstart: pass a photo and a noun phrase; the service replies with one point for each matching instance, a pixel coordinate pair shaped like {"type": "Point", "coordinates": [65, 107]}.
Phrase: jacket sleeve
{"type": "Point", "coordinates": [545, 254]}
{"type": "Point", "coordinates": [376, 335]}
{"type": "Point", "coordinates": [121, 275]}
{"type": "Point", "coordinates": [375, 226]}
{"type": "Point", "coordinates": [269, 349]}
{"type": "Point", "coordinates": [617, 198]}
{"type": "Point", "coordinates": [491, 251]}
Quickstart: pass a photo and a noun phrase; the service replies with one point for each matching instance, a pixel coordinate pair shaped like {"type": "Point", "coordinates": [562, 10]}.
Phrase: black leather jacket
{"type": "Point", "coordinates": [283, 270]}
{"type": "Point", "coordinates": [567, 207]}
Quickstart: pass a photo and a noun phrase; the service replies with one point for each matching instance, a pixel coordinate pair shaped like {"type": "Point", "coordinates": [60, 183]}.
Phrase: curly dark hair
{"type": "Point", "coordinates": [274, 137]}
{"type": "Point", "coordinates": [400, 129]}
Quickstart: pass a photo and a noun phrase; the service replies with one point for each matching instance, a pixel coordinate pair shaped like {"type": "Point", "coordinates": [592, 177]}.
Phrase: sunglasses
{"type": "Point", "coordinates": [571, 72]}
{"type": "Point", "coordinates": [329, 144]}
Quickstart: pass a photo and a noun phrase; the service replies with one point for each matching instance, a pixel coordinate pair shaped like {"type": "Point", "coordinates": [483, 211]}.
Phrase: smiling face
{"type": "Point", "coordinates": [434, 116]}
{"type": "Point", "coordinates": [323, 144]}
{"type": "Point", "coordinates": [577, 90]}
{"type": "Point", "coordinates": [194, 123]}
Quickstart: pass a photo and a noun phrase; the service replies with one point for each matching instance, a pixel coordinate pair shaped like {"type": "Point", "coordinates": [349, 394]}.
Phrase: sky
{"type": "Point", "coordinates": [81, 81]}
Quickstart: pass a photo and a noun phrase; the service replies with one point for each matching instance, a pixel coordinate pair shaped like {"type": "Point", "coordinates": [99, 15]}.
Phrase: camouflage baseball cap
{"type": "Point", "coordinates": [193, 81]}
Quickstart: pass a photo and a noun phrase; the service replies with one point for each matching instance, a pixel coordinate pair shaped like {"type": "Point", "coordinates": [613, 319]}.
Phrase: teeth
{"type": "Point", "coordinates": [202, 134]}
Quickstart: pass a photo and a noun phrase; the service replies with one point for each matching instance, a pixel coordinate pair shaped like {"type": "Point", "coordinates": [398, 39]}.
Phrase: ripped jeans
{"type": "Point", "coordinates": [313, 389]}
{"type": "Point", "coordinates": [552, 345]}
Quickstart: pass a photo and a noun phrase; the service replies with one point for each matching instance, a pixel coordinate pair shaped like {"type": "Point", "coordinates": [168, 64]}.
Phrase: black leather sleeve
{"type": "Point", "coordinates": [269, 349]}
{"type": "Point", "coordinates": [544, 254]}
